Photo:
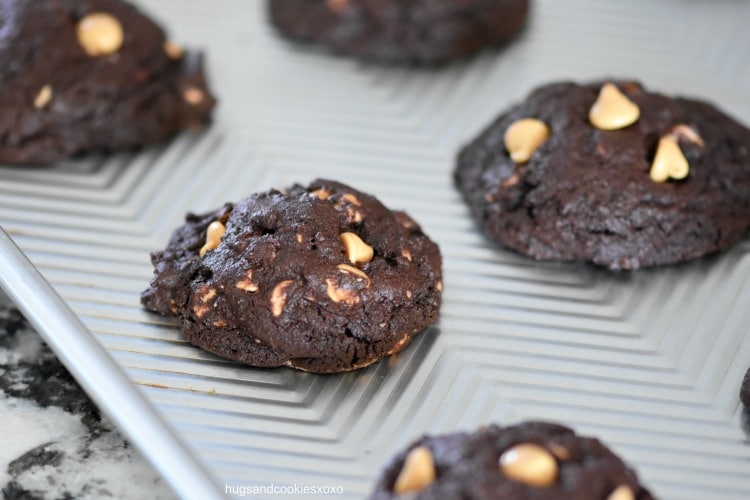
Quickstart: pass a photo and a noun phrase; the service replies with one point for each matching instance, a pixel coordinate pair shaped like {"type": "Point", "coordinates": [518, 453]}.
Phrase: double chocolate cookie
{"type": "Point", "coordinates": [745, 390]}
{"type": "Point", "coordinates": [532, 460]}
{"type": "Point", "coordinates": [323, 278]}
{"type": "Point", "coordinates": [610, 173]}
{"type": "Point", "coordinates": [91, 75]}
{"type": "Point", "coordinates": [401, 31]}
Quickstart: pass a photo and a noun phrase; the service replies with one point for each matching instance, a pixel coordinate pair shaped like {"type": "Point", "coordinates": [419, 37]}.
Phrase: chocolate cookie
{"type": "Point", "coordinates": [324, 279]}
{"type": "Point", "coordinates": [611, 174]}
{"type": "Point", "coordinates": [401, 31]}
{"type": "Point", "coordinates": [745, 390]}
{"type": "Point", "coordinates": [536, 460]}
{"type": "Point", "coordinates": [85, 75]}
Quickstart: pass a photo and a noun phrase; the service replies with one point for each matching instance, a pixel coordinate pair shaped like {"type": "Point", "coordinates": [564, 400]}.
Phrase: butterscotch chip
{"type": "Point", "coordinates": [295, 281]}
{"type": "Point", "coordinates": [43, 97]}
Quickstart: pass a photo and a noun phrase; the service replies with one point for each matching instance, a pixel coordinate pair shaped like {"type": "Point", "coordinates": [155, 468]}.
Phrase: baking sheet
{"type": "Point", "coordinates": [650, 361]}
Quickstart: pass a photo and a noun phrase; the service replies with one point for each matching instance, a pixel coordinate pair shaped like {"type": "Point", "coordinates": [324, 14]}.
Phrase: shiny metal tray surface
{"type": "Point", "coordinates": [651, 361]}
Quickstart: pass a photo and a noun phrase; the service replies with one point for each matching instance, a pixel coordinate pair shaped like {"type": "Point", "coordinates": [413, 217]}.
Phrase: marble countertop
{"type": "Point", "coordinates": [55, 442]}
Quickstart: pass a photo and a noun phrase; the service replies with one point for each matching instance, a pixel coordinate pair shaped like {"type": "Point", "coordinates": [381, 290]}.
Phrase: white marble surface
{"type": "Point", "coordinates": [54, 442]}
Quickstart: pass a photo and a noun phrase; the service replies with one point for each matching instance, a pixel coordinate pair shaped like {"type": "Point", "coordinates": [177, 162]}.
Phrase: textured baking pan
{"type": "Point", "coordinates": [650, 361]}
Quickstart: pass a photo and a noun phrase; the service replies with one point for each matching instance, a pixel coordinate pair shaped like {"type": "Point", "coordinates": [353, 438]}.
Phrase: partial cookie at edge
{"type": "Point", "coordinates": [398, 31]}
{"type": "Point", "coordinates": [589, 194]}
{"type": "Point", "coordinates": [538, 460]}
{"type": "Point", "coordinates": [92, 75]}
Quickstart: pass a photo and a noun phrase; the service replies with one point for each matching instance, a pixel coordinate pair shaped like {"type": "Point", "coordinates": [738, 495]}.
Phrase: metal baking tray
{"type": "Point", "coordinates": [650, 361]}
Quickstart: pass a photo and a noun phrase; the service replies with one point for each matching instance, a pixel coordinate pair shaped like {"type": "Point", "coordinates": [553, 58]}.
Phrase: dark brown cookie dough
{"type": "Point", "coordinates": [400, 31]}
{"type": "Point", "coordinates": [587, 194]}
{"type": "Point", "coordinates": [536, 460]}
{"type": "Point", "coordinates": [91, 75]}
{"type": "Point", "coordinates": [324, 279]}
{"type": "Point", "coordinates": [745, 390]}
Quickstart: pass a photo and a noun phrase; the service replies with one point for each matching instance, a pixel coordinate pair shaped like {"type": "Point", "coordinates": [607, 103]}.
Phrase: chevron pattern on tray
{"type": "Point", "coordinates": [650, 362]}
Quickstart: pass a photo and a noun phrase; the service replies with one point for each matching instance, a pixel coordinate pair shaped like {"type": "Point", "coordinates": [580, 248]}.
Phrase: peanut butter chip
{"type": "Point", "coordinates": [559, 451]}
{"type": "Point", "coordinates": [344, 268]}
{"type": "Point", "coordinates": [399, 345]}
{"type": "Point", "coordinates": [337, 6]}
{"type": "Point", "coordinates": [214, 233]}
{"type": "Point", "coordinates": [204, 296]}
{"type": "Point", "coordinates": [321, 194]}
{"type": "Point", "coordinates": [682, 131]}
{"type": "Point", "coordinates": [669, 161]}
{"type": "Point", "coordinates": [100, 34]}
{"type": "Point", "coordinates": [523, 137]}
{"type": "Point", "coordinates": [356, 250]}
{"type": "Point", "coordinates": [337, 294]}
{"type": "Point", "coordinates": [193, 96]}
{"type": "Point", "coordinates": [278, 297]}
{"type": "Point", "coordinates": [613, 110]}
{"type": "Point", "coordinates": [417, 473]}
{"type": "Point", "coordinates": [351, 199]}
{"type": "Point", "coordinates": [247, 284]}
{"type": "Point", "coordinates": [622, 492]}
{"type": "Point", "coordinates": [510, 181]}
{"type": "Point", "coordinates": [529, 463]}
{"type": "Point", "coordinates": [173, 50]}
{"type": "Point", "coordinates": [208, 295]}
{"type": "Point", "coordinates": [200, 310]}
{"type": "Point", "coordinates": [43, 97]}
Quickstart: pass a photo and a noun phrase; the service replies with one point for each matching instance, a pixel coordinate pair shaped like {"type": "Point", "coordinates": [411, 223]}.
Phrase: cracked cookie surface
{"type": "Point", "coordinates": [91, 75]}
{"type": "Point", "coordinates": [588, 194]}
{"type": "Point", "coordinates": [400, 31]}
{"type": "Point", "coordinates": [322, 278]}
